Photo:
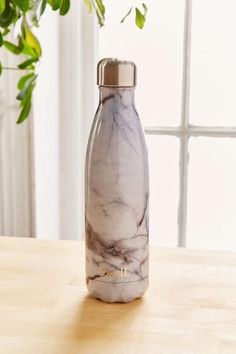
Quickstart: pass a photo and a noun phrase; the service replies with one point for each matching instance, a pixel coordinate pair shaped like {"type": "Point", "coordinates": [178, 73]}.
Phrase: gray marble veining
{"type": "Point", "coordinates": [116, 200]}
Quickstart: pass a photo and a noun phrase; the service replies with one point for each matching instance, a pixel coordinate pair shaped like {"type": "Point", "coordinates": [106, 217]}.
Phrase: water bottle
{"type": "Point", "coordinates": [116, 190]}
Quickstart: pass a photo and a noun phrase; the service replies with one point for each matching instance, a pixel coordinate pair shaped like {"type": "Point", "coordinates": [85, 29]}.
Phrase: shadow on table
{"type": "Point", "coordinates": [99, 323]}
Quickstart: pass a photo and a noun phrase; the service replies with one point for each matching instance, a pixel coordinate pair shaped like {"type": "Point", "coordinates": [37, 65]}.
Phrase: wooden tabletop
{"type": "Point", "coordinates": [190, 307]}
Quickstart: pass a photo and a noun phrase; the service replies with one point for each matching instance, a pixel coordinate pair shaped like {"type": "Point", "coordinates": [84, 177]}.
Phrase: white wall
{"type": "Point", "coordinates": [16, 167]}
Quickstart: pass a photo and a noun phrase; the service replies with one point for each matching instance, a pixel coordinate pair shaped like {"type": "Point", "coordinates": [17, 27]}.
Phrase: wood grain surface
{"type": "Point", "coordinates": [190, 307]}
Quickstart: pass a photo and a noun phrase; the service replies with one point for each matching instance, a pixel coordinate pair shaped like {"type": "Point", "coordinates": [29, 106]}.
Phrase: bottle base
{"type": "Point", "coordinates": [117, 292]}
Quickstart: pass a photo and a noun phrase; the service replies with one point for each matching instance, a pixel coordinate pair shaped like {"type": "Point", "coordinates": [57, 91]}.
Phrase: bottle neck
{"type": "Point", "coordinates": [117, 95]}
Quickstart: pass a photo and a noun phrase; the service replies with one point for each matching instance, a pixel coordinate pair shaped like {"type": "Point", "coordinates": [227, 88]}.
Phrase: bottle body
{"type": "Point", "coordinates": [116, 200]}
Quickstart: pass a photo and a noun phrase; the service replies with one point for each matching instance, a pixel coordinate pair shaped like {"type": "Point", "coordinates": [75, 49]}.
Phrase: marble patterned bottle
{"type": "Point", "coordinates": [116, 190]}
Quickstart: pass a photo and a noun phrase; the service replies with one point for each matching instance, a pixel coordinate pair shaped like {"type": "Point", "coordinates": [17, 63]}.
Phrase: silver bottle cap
{"type": "Point", "coordinates": [112, 72]}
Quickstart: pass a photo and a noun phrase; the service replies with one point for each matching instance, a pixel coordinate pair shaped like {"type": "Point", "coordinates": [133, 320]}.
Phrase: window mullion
{"type": "Point", "coordinates": [183, 159]}
{"type": "Point", "coordinates": [155, 130]}
{"type": "Point", "coordinates": [229, 132]}
{"type": "Point", "coordinates": [192, 130]}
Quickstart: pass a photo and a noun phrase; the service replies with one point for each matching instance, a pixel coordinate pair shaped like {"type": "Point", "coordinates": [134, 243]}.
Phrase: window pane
{"type": "Point", "coordinates": [213, 69]}
{"type": "Point", "coordinates": [164, 185]}
{"type": "Point", "coordinates": [212, 194]}
{"type": "Point", "coordinates": [157, 51]}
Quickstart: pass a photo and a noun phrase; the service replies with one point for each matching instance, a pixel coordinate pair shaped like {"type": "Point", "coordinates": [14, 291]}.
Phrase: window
{"type": "Point", "coordinates": [186, 99]}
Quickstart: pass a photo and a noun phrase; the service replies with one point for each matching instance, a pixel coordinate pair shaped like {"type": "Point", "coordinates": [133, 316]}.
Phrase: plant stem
{"type": "Point", "coordinates": [10, 68]}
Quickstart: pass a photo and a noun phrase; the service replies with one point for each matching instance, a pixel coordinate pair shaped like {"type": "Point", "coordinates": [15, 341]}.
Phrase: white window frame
{"type": "Point", "coordinates": [186, 130]}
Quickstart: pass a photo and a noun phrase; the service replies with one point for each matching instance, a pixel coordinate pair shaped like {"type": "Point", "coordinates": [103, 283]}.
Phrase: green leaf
{"type": "Point", "coordinates": [128, 13]}
{"type": "Point", "coordinates": [26, 87]}
{"type": "Point", "coordinates": [89, 5]}
{"type": "Point", "coordinates": [28, 50]}
{"type": "Point", "coordinates": [28, 94]}
{"type": "Point", "coordinates": [1, 40]}
{"type": "Point", "coordinates": [100, 11]}
{"type": "Point", "coordinates": [28, 63]}
{"type": "Point", "coordinates": [145, 9]}
{"type": "Point", "coordinates": [12, 47]}
{"type": "Point", "coordinates": [5, 32]}
{"type": "Point", "coordinates": [22, 4]}
{"type": "Point", "coordinates": [31, 44]}
{"type": "Point", "coordinates": [65, 6]}
{"type": "Point", "coordinates": [25, 110]}
{"type": "Point", "coordinates": [8, 15]}
{"type": "Point", "coordinates": [101, 6]}
{"type": "Point", "coordinates": [56, 4]}
{"type": "Point", "coordinates": [26, 103]}
{"type": "Point", "coordinates": [0, 68]}
{"type": "Point", "coordinates": [43, 7]}
{"type": "Point", "coordinates": [23, 79]}
{"type": "Point", "coordinates": [2, 6]}
{"type": "Point", "coordinates": [140, 18]}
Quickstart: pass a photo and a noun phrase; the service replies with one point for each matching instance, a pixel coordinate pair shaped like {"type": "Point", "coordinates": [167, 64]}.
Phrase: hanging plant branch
{"type": "Point", "coordinates": [22, 16]}
{"type": "Point", "coordinates": [140, 15]}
